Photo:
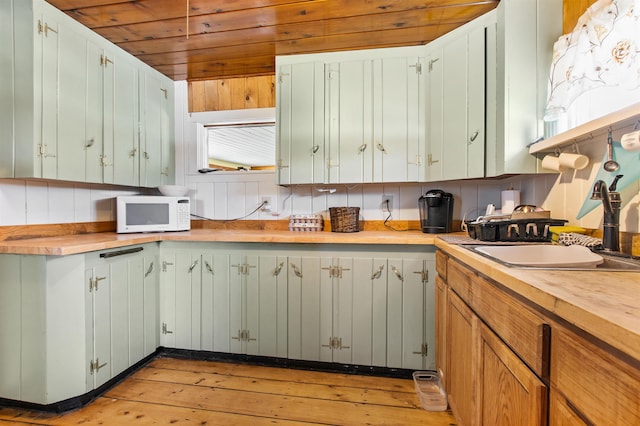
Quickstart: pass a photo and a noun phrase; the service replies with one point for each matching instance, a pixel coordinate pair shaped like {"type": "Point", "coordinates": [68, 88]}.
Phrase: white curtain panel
{"type": "Point", "coordinates": [601, 52]}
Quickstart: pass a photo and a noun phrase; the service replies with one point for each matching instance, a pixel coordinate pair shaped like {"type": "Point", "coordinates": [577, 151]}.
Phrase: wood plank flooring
{"type": "Point", "coordinates": [188, 392]}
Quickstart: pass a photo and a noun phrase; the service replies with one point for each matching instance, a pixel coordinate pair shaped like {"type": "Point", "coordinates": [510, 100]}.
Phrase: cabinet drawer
{"type": "Point", "coordinates": [441, 264]}
{"type": "Point", "coordinates": [517, 325]}
{"type": "Point", "coordinates": [598, 386]}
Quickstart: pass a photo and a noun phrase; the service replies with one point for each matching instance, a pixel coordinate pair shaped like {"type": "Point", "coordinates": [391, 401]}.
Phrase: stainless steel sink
{"type": "Point", "coordinates": [611, 261]}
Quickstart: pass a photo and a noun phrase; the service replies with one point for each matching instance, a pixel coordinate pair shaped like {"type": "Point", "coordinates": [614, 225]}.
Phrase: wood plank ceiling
{"type": "Point", "coordinates": [205, 39]}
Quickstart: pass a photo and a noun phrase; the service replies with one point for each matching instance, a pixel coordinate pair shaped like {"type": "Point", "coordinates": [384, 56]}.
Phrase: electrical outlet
{"type": "Point", "coordinates": [266, 204]}
{"type": "Point", "coordinates": [387, 203]}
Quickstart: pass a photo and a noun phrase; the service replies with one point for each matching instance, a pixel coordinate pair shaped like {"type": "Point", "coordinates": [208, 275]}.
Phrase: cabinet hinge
{"type": "Point", "coordinates": [45, 28]}
{"type": "Point", "coordinates": [43, 152]}
{"type": "Point", "coordinates": [335, 271]}
{"type": "Point", "coordinates": [243, 269]}
{"type": "Point", "coordinates": [95, 366]}
{"type": "Point", "coordinates": [165, 330]}
{"type": "Point", "coordinates": [104, 60]}
{"type": "Point", "coordinates": [424, 350]}
{"type": "Point", "coordinates": [243, 336]}
{"type": "Point", "coordinates": [280, 165]}
{"type": "Point", "coordinates": [424, 273]}
{"type": "Point", "coordinates": [335, 343]}
{"type": "Point", "coordinates": [418, 161]}
{"type": "Point", "coordinates": [93, 282]}
{"type": "Point", "coordinates": [281, 75]}
{"type": "Point", "coordinates": [165, 264]}
{"type": "Point", "coordinates": [104, 162]}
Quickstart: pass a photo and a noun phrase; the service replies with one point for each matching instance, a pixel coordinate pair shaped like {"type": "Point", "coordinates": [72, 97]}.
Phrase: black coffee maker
{"type": "Point", "coordinates": [436, 211]}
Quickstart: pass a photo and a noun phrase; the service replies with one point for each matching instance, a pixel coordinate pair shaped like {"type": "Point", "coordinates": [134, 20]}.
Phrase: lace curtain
{"type": "Point", "coordinates": [601, 52]}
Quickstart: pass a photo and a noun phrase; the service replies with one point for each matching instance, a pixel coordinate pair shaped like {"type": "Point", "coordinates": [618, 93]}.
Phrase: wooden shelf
{"type": "Point", "coordinates": [627, 117]}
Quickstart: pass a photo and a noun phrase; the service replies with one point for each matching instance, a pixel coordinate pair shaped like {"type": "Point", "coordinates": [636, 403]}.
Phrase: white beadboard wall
{"type": "Point", "coordinates": [32, 202]}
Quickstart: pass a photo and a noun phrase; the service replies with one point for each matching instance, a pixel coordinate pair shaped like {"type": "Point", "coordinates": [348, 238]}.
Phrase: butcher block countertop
{"type": "Point", "coordinates": [74, 244]}
{"type": "Point", "coordinates": [605, 304]}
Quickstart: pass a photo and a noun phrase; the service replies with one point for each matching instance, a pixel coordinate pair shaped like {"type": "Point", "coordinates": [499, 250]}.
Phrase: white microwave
{"type": "Point", "coordinates": [151, 213]}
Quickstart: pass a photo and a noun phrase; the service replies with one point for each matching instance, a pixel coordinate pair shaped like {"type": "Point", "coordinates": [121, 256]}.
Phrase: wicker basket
{"type": "Point", "coordinates": [345, 219]}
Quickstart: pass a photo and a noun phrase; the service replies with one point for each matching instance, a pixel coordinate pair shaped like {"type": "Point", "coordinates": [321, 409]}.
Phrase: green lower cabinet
{"type": "Point", "coordinates": [411, 318]}
{"type": "Point", "coordinates": [68, 324]}
{"type": "Point", "coordinates": [363, 308]}
{"type": "Point", "coordinates": [121, 310]}
{"type": "Point", "coordinates": [224, 298]}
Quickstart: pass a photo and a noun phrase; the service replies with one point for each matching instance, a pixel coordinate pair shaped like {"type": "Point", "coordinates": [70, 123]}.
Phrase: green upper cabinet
{"type": "Point", "coordinates": [72, 110]}
{"type": "Point", "coordinates": [6, 89]}
{"type": "Point", "coordinates": [156, 124]}
{"type": "Point", "coordinates": [456, 104]}
{"type": "Point", "coordinates": [375, 119]}
{"type": "Point", "coordinates": [521, 46]}
{"type": "Point", "coordinates": [351, 117]}
{"type": "Point", "coordinates": [300, 123]}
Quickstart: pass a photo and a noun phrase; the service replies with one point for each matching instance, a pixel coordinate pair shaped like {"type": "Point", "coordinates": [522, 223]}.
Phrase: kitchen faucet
{"type": "Point", "coordinates": [611, 203]}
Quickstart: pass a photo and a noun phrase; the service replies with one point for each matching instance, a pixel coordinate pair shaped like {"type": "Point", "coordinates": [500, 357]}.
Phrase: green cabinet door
{"type": "Point", "coordinates": [300, 124]}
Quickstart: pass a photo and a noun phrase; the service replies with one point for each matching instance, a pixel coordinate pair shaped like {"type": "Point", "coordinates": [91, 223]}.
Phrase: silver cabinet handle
{"type": "Point", "coordinates": [90, 143]}
{"type": "Point", "coordinates": [208, 267]}
{"type": "Point", "coordinates": [362, 148]}
{"type": "Point", "coordinates": [376, 275]}
{"type": "Point", "coordinates": [315, 149]}
{"type": "Point", "coordinates": [193, 265]}
{"type": "Point", "coordinates": [276, 271]}
{"type": "Point", "coordinates": [381, 148]}
{"type": "Point", "coordinates": [398, 274]}
{"type": "Point", "coordinates": [146, 274]}
{"type": "Point", "coordinates": [473, 137]}
{"type": "Point", "coordinates": [296, 271]}
{"type": "Point", "coordinates": [133, 152]}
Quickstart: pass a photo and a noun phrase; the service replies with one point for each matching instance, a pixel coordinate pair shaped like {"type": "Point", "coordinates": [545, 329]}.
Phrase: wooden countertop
{"type": "Point", "coordinates": [604, 304]}
{"type": "Point", "coordinates": [74, 244]}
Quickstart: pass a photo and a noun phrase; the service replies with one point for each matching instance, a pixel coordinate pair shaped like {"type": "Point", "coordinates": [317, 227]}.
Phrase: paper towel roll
{"type": "Point", "coordinates": [510, 199]}
{"type": "Point", "coordinates": [631, 141]}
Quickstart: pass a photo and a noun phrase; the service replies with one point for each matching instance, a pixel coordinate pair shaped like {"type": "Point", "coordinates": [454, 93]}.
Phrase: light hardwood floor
{"type": "Point", "coordinates": [176, 391]}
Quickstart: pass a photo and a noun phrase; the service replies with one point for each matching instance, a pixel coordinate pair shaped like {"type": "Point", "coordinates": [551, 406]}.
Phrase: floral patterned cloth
{"type": "Point", "coordinates": [602, 51]}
